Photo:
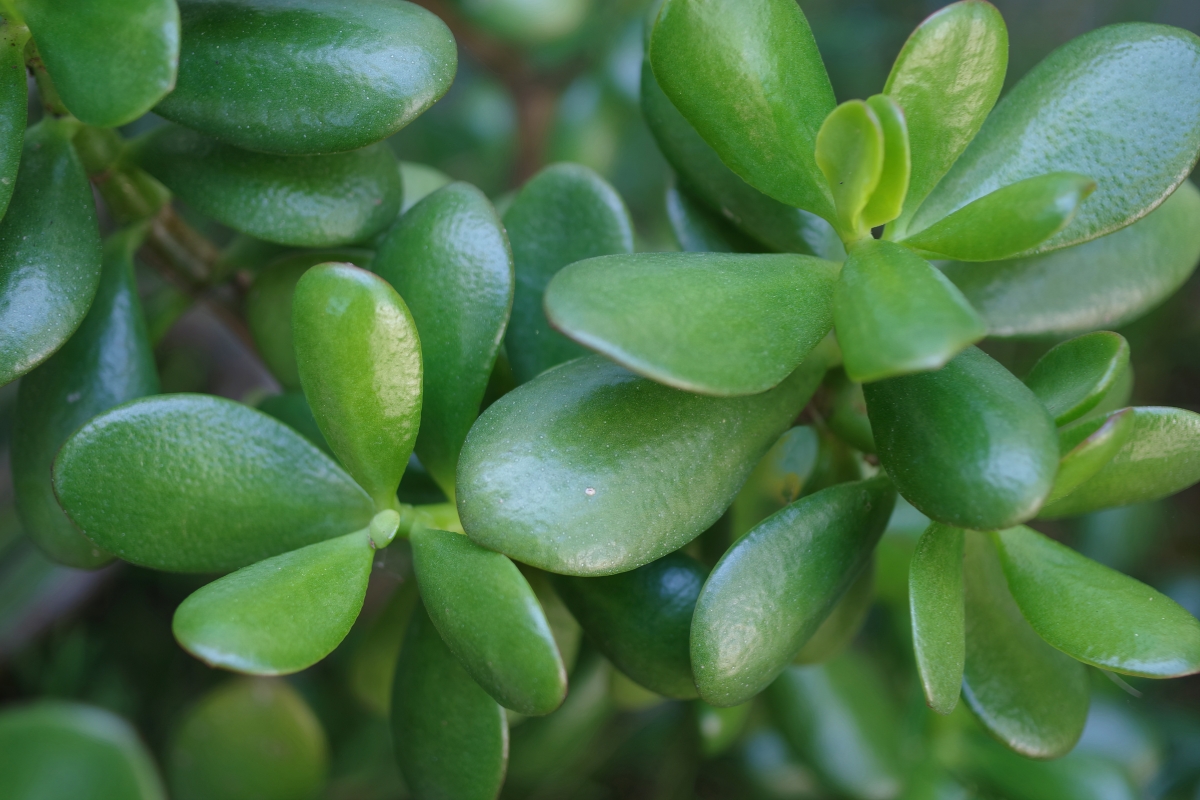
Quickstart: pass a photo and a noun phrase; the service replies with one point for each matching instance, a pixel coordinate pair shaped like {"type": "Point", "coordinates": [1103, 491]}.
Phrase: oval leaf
{"type": "Point", "coordinates": [357, 72]}
{"type": "Point", "coordinates": [935, 602]}
{"type": "Point", "coordinates": [772, 590]}
{"type": "Point", "coordinates": [193, 483]}
{"type": "Point", "coordinates": [715, 324]}
{"type": "Point", "coordinates": [359, 359]}
{"type": "Point", "coordinates": [14, 104]}
{"type": "Point", "coordinates": [1073, 377]}
{"type": "Point", "coordinates": [968, 445]}
{"type": "Point", "coordinates": [849, 151]}
{"type": "Point", "coordinates": [591, 470]}
{"type": "Point", "coordinates": [888, 198]}
{"type": "Point", "coordinates": [1087, 447]}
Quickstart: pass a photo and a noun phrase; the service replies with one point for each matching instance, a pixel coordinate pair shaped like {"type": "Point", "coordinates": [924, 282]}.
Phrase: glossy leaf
{"type": "Point", "coordinates": [564, 214]}
{"type": "Point", "coordinates": [14, 103]}
{"type": "Point", "coordinates": [1087, 447]}
{"type": "Point", "coordinates": [748, 77]}
{"type": "Point", "coordinates": [357, 71]}
{"type": "Point", "coordinates": [935, 601]}
{"type": "Point", "coordinates": [55, 749]}
{"type": "Point", "coordinates": [490, 619]}
{"type": "Point", "coordinates": [450, 736]}
{"type": "Point", "coordinates": [107, 362]}
{"type": "Point", "coordinates": [1091, 285]}
{"type": "Point", "coordinates": [888, 198]}
{"type": "Point", "coordinates": [844, 621]}
{"type": "Point", "coordinates": [1094, 613]}
{"type": "Point", "coordinates": [849, 152]}
{"type": "Point", "coordinates": [699, 229]}
{"type": "Point", "coordinates": [715, 324]}
{"type": "Point", "coordinates": [772, 590]}
{"type": "Point", "coordinates": [969, 445]}
{"type": "Point", "coordinates": [98, 84]}
{"type": "Point", "coordinates": [249, 739]}
{"type": "Point", "coordinates": [896, 314]}
{"type": "Point", "coordinates": [947, 78]}
{"type": "Point", "coordinates": [1008, 222]}
{"type": "Point", "coordinates": [280, 615]}
{"type": "Point", "coordinates": [591, 470]}
{"type": "Point", "coordinates": [193, 483]}
{"type": "Point", "coordinates": [1073, 377]}
{"type": "Point", "coordinates": [640, 620]}
{"type": "Point", "coordinates": [1120, 104]}
{"type": "Point", "coordinates": [359, 359]}
{"type": "Point", "coordinates": [449, 259]}
{"type": "Point", "coordinates": [1160, 457]}
{"type": "Point", "coordinates": [1028, 695]}
{"type": "Point", "coordinates": [49, 250]}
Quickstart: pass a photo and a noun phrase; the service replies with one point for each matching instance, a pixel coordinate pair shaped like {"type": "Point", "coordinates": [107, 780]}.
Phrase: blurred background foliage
{"type": "Point", "coordinates": [541, 81]}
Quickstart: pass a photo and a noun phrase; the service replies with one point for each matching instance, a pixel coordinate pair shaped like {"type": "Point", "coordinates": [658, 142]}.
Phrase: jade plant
{"type": "Point", "coordinates": [693, 457]}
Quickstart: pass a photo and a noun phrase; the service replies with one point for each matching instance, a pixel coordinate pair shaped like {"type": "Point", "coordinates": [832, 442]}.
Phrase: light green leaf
{"type": "Point", "coordinates": [935, 601]}
{"type": "Point", "coordinates": [1086, 447]}
{"type": "Point", "coordinates": [888, 198]}
{"type": "Point", "coordinates": [1074, 376]}
{"type": "Point", "coordinates": [849, 152]}
{"type": "Point", "coordinates": [420, 180]}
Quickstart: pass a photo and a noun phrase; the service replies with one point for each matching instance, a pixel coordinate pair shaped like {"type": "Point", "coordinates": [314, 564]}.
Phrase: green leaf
{"type": "Point", "coordinates": [591, 470]}
{"type": "Point", "coordinates": [641, 620]}
{"type": "Point", "coordinates": [269, 307]}
{"type": "Point", "coordinates": [698, 229]}
{"type": "Point", "coordinates": [193, 483]}
{"type": "Point", "coordinates": [849, 152]}
{"type": "Point", "coordinates": [249, 739]}
{"type": "Point", "coordinates": [968, 445]}
{"type": "Point", "coordinates": [14, 103]}
{"type": "Point", "coordinates": [888, 198]}
{"type": "Point", "coordinates": [564, 214]}
{"type": "Point", "coordinates": [1076, 776]}
{"type": "Point", "coordinates": [1094, 613]}
{"type": "Point", "coordinates": [946, 78]}
{"type": "Point", "coordinates": [895, 314]}
{"type": "Point", "coordinates": [1028, 695]}
{"type": "Point", "coordinates": [772, 590]}
{"type": "Point", "coordinates": [292, 409]}
{"type": "Point", "coordinates": [846, 415]}
{"type": "Point", "coordinates": [1073, 377]}
{"type": "Point", "coordinates": [1087, 447]}
{"type": "Point", "coordinates": [717, 324]}
{"type": "Point", "coordinates": [49, 250]}
{"type": "Point", "coordinates": [778, 479]}
{"type": "Point", "coordinates": [280, 615]}
{"type": "Point", "coordinates": [1160, 457]}
{"type": "Point", "coordinates": [54, 749]}
{"type": "Point", "coordinates": [449, 259]}
{"type": "Point", "coordinates": [99, 84]}
{"type": "Point", "coordinates": [843, 622]}
{"type": "Point", "coordinates": [1008, 222]}
{"type": "Point", "coordinates": [527, 22]}
{"type": "Point", "coordinates": [1120, 104]}
{"type": "Point", "coordinates": [490, 619]}
{"type": "Point", "coordinates": [935, 601]}
{"type": "Point", "coordinates": [315, 201]}
{"type": "Point", "coordinates": [450, 736]}
{"type": "Point", "coordinates": [107, 362]}
{"type": "Point", "coordinates": [720, 728]}
{"type": "Point", "coordinates": [373, 663]}
{"type": "Point", "coordinates": [839, 718]}
{"type": "Point", "coordinates": [747, 75]}
{"type": "Point", "coordinates": [420, 181]}
{"type": "Point", "coordinates": [360, 363]}
{"type": "Point", "coordinates": [357, 72]}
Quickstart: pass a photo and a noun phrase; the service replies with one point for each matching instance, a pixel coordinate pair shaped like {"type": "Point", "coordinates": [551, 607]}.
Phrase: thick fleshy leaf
{"type": "Point", "coordinates": [1091, 285]}
{"type": "Point", "coordinates": [1120, 104]}
{"type": "Point", "coordinates": [566, 213]}
{"type": "Point", "coordinates": [358, 71]}
{"type": "Point", "coordinates": [849, 152]}
{"type": "Point", "coordinates": [107, 362]}
{"type": "Point", "coordinates": [968, 445]}
{"type": "Point", "coordinates": [14, 104]}
{"type": "Point", "coordinates": [315, 201]}
{"type": "Point", "coordinates": [360, 363]}
{"type": "Point", "coordinates": [896, 314]}
{"type": "Point", "coordinates": [1028, 695]}
{"type": "Point", "coordinates": [641, 619]}
{"type": "Point", "coordinates": [1076, 776]}
{"type": "Point", "coordinates": [249, 739]}
{"type": "Point", "coordinates": [772, 590]}
{"type": "Point", "coordinates": [1094, 613]}
{"type": "Point", "coordinates": [1087, 447]}
{"type": "Point", "coordinates": [699, 229]}
{"type": "Point", "coordinates": [450, 736]}
{"type": "Point", "coordinates": [280, 615]}
{"type": "Point", "coordinates": [98, 84]}
{"type": "Point", "coordinates": [592, 470]}
{"type": "Point", "coordinates": [193, 483]}
{"type": "Point", "coordinates": [843, 622]}
{"type": "Point", "coordinates": [717, 324]}
{"type": "Point", "coordinates": [449, 259]}
{"type": "Point", "coordinates": [56, 749]}
{"type": "Point", "coordinates": [748, 77]}
{"type": "Point", "coordinates": [946, 78]}
{"type": "Point", "coordinates": [839, 717]}
{"type": "Point", "coordinates": [935, 601]}
{"type": "Point", "coordinates": [49, 249]}
{"type": "Point", "coordinates": [1160, 457]}
{"type": "Point", "coordinates": [1073, 377]}
{"type": "Point", "coordinates": [888, 198]}
{"type": "Point", "coordinates": [1008, 222]}
{"type": "Point", "coordinates": [490, 619]}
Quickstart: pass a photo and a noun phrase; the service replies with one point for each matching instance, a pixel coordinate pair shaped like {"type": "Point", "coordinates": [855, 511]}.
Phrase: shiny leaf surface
{"type": "Point", "coordinates": [1073, 377]}
{"type": "Point", "coordinates": [1087, 447]}
{"type": "Point", "coordinates": [888, 198]}
{"type": "Point", "coordinates": [935, 602]}
{"type": "Point", "coordinates": [14, 103]}
{"type": "Point", "coordinates": [849, 152]}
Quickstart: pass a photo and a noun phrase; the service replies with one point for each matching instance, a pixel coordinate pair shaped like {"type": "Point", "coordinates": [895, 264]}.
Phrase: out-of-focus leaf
{"type": "Point", "coordinates": [935, 599]}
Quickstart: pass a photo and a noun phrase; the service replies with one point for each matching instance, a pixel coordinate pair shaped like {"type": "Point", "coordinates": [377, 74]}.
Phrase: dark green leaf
{"type": "Point", "coordinates": [1087, 447]}
{"type": "Point", "coordinates": [698, 229]}
{"type": "Point", "coordinates": [14, 102]}
{"type": "Point", "coordinates": [888, 198]}
{"type": "Point", "coordinates": [1073, 377]}
{"type": "Point", "coordinates": [843, 622]}
{"type": "Point", "coordinates": [935, 599]}
{"type": "Point", "coordinates": [849, 152]}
